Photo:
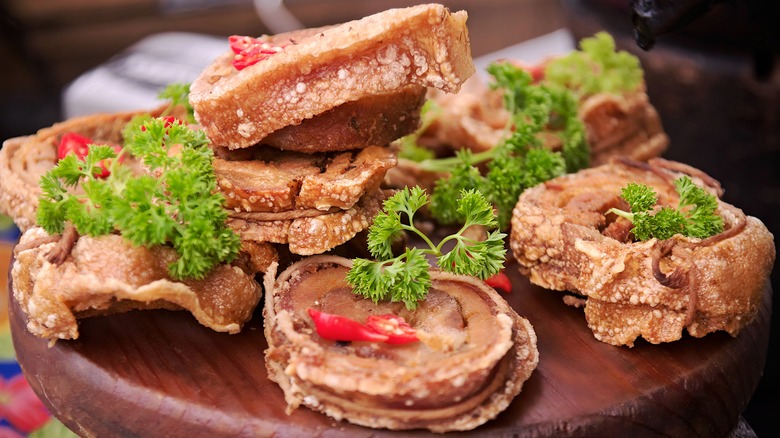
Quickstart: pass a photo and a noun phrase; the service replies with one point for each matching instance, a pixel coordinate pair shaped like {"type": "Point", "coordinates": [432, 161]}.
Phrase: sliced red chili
{"type": "Point", "coordinates": [77, 144]}
{"type": "Point", "coordinates": [341, 328]}
{"type": "Point", "coordinates": [249, 50]}
{"type": "Point", "coordinates": [105, 164]}
{"type": "Point", "coordinates": [169, 120]}
{"type": "Point", "coordinates": [535, 70]}
{"type": "Point", "coordinates": [240, 43]}
{"type": "Point", "coordinates": [74, 143]}
{"type": "Point", "coordinates": [398, 331]}
{"type": "Point", "coordinates": [500, 282]}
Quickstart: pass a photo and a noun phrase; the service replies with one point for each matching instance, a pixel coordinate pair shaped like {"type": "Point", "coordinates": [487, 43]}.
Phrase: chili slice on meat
{"type": "Point", "coordinates": [388, 328]}
{"type": "Point", "coordinates": [398, 331]}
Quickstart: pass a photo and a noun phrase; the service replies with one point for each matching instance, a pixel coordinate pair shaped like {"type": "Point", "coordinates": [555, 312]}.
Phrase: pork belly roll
{"type": "Point", "coordinates": [563, 239]}
{"type": "Point", "coordinates": [473, 355]}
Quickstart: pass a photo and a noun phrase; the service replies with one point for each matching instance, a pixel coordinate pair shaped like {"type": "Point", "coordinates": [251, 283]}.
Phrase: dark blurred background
{"type": "Point", "coordinates": [715, 79]}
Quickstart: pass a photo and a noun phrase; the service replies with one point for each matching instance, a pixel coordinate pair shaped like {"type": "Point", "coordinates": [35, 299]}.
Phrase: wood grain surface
{"type": "Point", "coordinates": [159, 373]}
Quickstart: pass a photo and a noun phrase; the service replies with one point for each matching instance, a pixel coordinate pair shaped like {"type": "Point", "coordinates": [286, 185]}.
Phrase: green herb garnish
{"type": "Point", "coordinates": [179, 95]}
{"type": "Point", "coordinates": [521, 160]}
{"type": "Point", "coordinates": [176, 203]}
{"type": "Point", "coordinates": [695, 215]}
{"type": "Point", "coordinates": [405, 278]}
{"type": "Point", "coordinates": [596, 68]}
{"type": "Point", "coordinates": [409, 148]}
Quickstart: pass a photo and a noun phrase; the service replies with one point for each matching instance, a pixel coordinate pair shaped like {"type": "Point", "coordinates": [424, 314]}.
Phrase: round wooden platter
{"type": "Point", "coordinates": [159, 373]}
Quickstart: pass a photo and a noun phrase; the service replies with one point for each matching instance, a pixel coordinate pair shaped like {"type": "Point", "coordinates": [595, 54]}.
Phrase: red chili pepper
{"type": "Point", "coordinates": [535, 70]}
{"type": "Point", "coordinates": [397, 330]}
{"type": "Point", "coordinates": [20, 406]}
{"type": "Point", "coordinates": [239, 43]}
{"type": "Point", "coordinates": [249, 51]}
{"type": "Point", "coordinates": [341, 328]}
{"type": "Point", "coordinates": [169, 120]}
{"type": "Point", "coordinates": [72, 143]}
{"type": "Point", "coordinates": [501, 282]}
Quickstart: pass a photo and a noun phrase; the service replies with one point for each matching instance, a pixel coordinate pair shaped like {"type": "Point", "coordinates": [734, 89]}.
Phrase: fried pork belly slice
{"type": "Point", "coordinates": [372, 120]}
{"type": "Point", "coordinates": [474, 355]}
{"type": "Point", "coordinates": [273, 181]}
{"type": "Point", "coordinates": [423, 45]}
{"type": "Point", "coordinates": [313, 232]}
{"type": "Point", "coordinates": [407, 173]}
{"type": "Point", "coordinates": [108, 274]}
{"type": "Point", "coordinates": [622, 125]}
{"type": "Point", "coordinates": [616, 125]}
{"type": "Point", "coordinates": [655, 289]}
{"type": "Point", "coordinates": [474, 118]}
{"type": "Point", "coordinates": [24, 160]}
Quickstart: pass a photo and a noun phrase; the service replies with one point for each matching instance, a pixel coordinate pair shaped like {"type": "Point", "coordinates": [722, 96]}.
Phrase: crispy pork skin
{"type": "Point", "coordinates": [311, 231]}
{"type": "Point", "coordinates": [273, 181]}
{"type": "Point", "coordinates": [108, 274]}
{"type": "Point", "coordinates": [473, 356]}
{"type": "Point", "coordinates": [655, 289]}
{"type": "Point", "coordinates": [424, 45]}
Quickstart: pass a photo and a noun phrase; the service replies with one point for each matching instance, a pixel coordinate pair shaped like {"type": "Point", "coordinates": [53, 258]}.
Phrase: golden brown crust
{"type": "Point", "coordinates": [653, 289]}
{"type": "Point", "coordinates": [272, 181]}
{"type": "Point", "coordinates": [424, 45]}
{"type": "Point", "coordinates": [443, 383]}
{"type": "Point", "coordinates": [308, 235]}
{"type": "Point", "coordinates": [474, 118]}
{"type": "Point", "coordinates": [20, 169]}
{"type": "Point", "coordinates": [108, 274]}
{"type": "Point", "coordinates": [622, 125]}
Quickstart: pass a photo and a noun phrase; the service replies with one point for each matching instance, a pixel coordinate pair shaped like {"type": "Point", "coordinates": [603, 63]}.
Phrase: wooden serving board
{"type": "Point", "coordinates": [159, 373]}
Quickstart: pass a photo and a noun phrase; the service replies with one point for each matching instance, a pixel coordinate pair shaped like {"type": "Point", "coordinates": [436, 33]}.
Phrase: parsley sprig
{"type": "Point", "coordinates": [409, 147]}
{"type": "Point", "coordinates": [548, 106]}
{"type": "Point", "coordinates": [406, 277]}
{"type": "Point", "coordinates": [521, 160]}
{"type": "Point", "coordinates": [695, 215]}
{"type": "Point", "coordinates": [179, 95]}
{"type": "Point", "coordinates": [175, 203]}
{"type": "Point", "coordinates": [596, 68]}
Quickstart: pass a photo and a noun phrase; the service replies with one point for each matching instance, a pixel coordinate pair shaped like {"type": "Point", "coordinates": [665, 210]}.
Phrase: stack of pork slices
{"type": "Point", "coordinates": [301, 133]}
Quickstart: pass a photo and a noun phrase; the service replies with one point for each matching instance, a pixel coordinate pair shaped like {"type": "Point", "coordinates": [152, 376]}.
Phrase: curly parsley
{"type": "Point", "coordinates": [176, 203]}
{"type": "Point", "coordinates": [408, 147]}
{"type": "Point", "coordinates": [597, 68]}
{"type": "Point", "coordinates": [695, 215]}
{"type": "Point", "coordinates": [521, 160]}
{"type": "Point", "coordinates": [548, 106]}
{"type": "Point", "coordinates": [179, 95]}
{"type": "Point", "coordinates": [405, 278]}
